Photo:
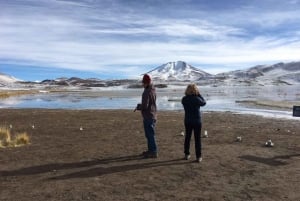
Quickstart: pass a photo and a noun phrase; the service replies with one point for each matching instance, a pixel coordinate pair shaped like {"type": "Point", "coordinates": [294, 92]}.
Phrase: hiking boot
{"type": "Point", "coordinates": [151, 155]}
{"type": "Point", "coordinates": [198, 160]}
{"type": "Point", "coordinates": [187, 157]}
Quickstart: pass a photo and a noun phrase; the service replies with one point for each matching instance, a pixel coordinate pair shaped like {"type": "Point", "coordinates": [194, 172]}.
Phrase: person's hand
{"type": "Point", "coordinates": [138, 107]}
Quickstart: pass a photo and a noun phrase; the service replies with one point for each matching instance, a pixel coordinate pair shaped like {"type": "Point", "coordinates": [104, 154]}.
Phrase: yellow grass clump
{"type": "Point", "coordinates": [5, 136]}
{"type": "Point", "coordinates": [9, 93]}
{"type": "Point", "coordinates": [6, 140]}
{"type": "Point", "coordinates": [21, 139]}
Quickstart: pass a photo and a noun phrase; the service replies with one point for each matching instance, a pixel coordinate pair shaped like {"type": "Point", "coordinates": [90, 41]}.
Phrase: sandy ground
{"type": "Point", "coordinates": [102, 162]}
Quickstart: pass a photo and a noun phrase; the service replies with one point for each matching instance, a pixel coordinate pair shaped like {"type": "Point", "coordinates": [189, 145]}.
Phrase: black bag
{"type": "Point", "coordinates": [296, 111]}
{"type": "Point", "coordinates": [139, 106]}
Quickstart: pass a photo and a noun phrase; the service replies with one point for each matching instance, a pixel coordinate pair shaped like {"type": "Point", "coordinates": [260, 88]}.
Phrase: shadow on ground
{"type": "Point", "coordinates": [274, 161]}
{"type": "Point", "coordinates": [97, 171]}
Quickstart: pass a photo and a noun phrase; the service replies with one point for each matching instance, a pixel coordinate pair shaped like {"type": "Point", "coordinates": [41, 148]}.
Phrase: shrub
{"type": "Point", "coordinates": [5, 136]}
{"type": "Point", "coordinates": [21, 139]}
{"type": "Point", "coordinates": [6, 141]}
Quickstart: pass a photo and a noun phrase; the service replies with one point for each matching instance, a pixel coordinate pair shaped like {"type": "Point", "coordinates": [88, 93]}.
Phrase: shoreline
{"type": "Point", "coordinates": [291, 118]}
{"type": "Point", "coordinates": [270, 104]}
{"type": "Point", "coordinates": [4, 94]}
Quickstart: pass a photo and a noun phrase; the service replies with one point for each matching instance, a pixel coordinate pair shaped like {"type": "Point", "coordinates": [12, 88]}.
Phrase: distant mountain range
{"type": "Point", "coordinates": [91, 82]}
{"type": "Point", "coordinates": [280, 73]}
{"type": "Point", "coordinates": [181, 72]}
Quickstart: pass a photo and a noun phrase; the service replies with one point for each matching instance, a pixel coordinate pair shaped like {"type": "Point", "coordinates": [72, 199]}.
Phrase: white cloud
{"type": "Point", "coordinates": [104, 41]}
{"type": "Point", "coordinates": [275, 18]}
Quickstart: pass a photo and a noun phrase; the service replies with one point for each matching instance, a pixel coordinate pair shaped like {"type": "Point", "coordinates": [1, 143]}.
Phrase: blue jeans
{"type": "Point", "coordinates": [149, 127]}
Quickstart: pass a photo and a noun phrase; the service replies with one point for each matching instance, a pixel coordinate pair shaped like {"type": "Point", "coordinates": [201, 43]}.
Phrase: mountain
{"type": "Point", "coordinates": [276, 74]}
{"type": "Point", "coordinates": [178, 71]}
{"type": "Point", "coordinates": [90, 82]}
{"type": "Point", "coordinates": [75, 81]}
{"type": "Point", "coordinates": [280, 73]}
{"type": "Point", "coordinates": [7, 80]}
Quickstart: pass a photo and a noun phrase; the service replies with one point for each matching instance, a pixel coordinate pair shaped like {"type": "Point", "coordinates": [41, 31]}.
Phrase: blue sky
{"type": "Point", "coordinates": [110, 39]}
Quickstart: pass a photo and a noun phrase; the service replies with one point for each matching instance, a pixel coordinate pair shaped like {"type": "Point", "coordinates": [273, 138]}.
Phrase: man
{"type": "Point", "coordinates": [148, 110]}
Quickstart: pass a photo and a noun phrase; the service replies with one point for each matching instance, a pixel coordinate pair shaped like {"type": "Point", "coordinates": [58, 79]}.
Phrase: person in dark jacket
{"type": "Point", "coordinates": [192, 101]}
{"type": "Point", "coordinates": [148, 109]}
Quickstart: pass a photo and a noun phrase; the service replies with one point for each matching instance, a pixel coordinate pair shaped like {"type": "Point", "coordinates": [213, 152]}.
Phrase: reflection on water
{"type": "Point", "coordinates": [218, 99]}
{"type": "Point", "coordinates": [69, 101]}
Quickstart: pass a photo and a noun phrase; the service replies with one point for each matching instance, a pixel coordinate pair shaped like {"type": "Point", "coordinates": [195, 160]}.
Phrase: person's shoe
{"type": "Point", "coordinates": [151, 155]}
{"type": "Point", "coordinates": [198, 160]}
{"type": "Point", "coordinates": [144, 153]}
{"type": "Point", "coordinates": [187, 157]}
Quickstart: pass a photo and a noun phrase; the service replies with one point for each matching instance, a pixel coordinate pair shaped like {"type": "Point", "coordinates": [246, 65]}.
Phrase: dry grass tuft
{"type": "Point", "coordinates": [6, 140]}
{"type": "Point", "coordinates": [9, 93]}
{"type": "Point", "coordinates": [21, 139]}
{"type": "Point", "coordinates": [5, 137]}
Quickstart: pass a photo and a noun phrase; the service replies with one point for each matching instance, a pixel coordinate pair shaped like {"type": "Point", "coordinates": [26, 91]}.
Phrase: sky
{"type": "Point", "coordinates": [117, 39]}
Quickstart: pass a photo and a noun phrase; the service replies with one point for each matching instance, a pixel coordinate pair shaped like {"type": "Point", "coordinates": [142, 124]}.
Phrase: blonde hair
{"type": "Point", "coordinates": [192, 89]}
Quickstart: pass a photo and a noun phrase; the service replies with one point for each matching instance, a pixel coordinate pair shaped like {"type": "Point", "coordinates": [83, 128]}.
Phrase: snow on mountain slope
{"type": "Point", "coordinates": [280, 73]}
{"type": "Point", "coordinates": [177, 71]}
{"type": "Point", "coordinates": [6, 79]}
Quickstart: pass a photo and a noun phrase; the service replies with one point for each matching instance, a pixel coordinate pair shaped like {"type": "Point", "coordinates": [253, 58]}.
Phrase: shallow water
{"type": "Point", "coordinates": [218, 99]}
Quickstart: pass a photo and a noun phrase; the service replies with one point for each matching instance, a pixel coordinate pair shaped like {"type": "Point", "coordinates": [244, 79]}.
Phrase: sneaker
{"type": "Point", "coordinates": [151, 155]}
{"type": "Point", "coordinates": [198, 160]}
{"type": "Point", "coordinates": [187, 157]}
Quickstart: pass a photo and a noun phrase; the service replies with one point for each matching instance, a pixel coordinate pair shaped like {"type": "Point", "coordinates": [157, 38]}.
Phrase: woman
{"type": "Point", "coordinates": [192, 101]}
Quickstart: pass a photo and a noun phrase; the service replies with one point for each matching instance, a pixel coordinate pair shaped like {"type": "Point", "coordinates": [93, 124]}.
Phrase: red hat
{"type": "Point", "coordinates": [146, 79]}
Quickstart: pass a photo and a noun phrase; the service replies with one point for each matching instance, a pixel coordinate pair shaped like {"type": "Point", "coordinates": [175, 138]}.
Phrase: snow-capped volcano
{"type": "Point", "coordinates": [177, 71]}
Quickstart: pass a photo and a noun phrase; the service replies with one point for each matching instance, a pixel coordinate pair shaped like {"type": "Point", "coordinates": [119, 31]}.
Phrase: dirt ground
{"type": "Point", "coordinates": [102, 162]}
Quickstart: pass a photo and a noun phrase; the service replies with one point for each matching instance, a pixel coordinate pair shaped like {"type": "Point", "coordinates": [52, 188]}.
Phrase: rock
{"type": "Point", "coordinates": [238, 139]}
{"type": "Point", "coordinates": [269, 143]}
{"type": "Point", "coordinates": [205, 135]}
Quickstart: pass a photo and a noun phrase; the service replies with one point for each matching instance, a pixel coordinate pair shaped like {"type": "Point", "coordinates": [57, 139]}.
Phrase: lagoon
{"type": "Point", "coordinates": [218, 99]}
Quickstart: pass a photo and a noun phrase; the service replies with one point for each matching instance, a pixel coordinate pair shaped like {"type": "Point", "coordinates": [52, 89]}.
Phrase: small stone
{"type": "Point", "coordinates": [269, 143]}
{"type": "Point", "coordinates": [205, 134]}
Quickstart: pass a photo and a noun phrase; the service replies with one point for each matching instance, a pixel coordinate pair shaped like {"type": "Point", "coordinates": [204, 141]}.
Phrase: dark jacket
{"type": "Point", "coordinates": [148, 107]}
{"type": "Point", "coordinates": [191, 104]}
